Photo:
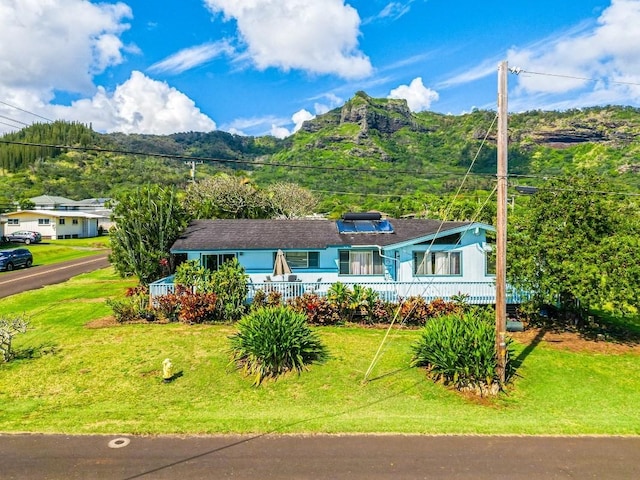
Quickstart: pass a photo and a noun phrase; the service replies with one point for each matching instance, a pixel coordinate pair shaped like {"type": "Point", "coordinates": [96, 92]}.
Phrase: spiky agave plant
{"type": "Point", "coordinates": [274, 340]}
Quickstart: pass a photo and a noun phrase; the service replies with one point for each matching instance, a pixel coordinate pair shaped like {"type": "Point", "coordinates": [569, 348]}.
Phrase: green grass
{"type": "Point", "coordinates": [48, 252]}
{"type": "Point", "coordinates": [69, 378]}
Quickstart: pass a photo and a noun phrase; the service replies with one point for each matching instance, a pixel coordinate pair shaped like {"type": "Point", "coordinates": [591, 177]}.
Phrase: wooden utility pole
{"type": "Point", "coordinates": [193, 164]}
{"type": "Point", "coordinates": [501, 227]}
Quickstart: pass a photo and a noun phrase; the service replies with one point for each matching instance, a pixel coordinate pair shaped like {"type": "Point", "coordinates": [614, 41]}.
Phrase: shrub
{"type": "Point", "coordinates": [319, 310]}
{"type": "Point", "coordinates": [272, 341]}
{"type": "Point", "coordinates": [134, 306]}
{"type": "Point", "coordinates": [268, 298]}
{"type": "Point", "coordinates": [196, 307]}
{"type": "Point", "coordinates": [230, 283]}
{"type": "Point", "coordinates": [9, 328]}
{"type": "Point", "coordinates": [191, 274]}
{"type": "Point", "coordinates": [417, 311]}
{"type": "Point", "coordinates": [459, 349]}
{"type": "Point", "coordinates": [167, 307]}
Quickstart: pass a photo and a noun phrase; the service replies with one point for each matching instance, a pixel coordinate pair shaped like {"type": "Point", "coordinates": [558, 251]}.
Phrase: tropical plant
{"type": "Point", "coordinates": [148, 221]}
{"type": "Point", "coordinates": [193, 276]}
{"type": "Point", "coordinates": [272, 341]}
{"type": "Point", "coordinates": [459, 349]}
{"type": "Point", "coordinates": [230, 283]}
{"type": "Point", "coordinates": [197, 307]}
{"type": "Point", "coordinates": [319, 310]}
{"type": "Point", "coordinates": [266, 298]}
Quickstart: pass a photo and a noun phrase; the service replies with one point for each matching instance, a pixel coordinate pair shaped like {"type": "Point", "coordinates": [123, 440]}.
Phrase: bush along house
{"type": "Point", "coordinates": [397, 258]}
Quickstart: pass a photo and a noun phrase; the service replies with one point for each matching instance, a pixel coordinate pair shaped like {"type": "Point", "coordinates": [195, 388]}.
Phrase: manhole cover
{"type": "Point", "coordinates": [119, 442]}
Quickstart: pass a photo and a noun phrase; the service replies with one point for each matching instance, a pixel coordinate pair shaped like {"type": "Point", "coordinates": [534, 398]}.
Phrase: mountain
{"type": "Point", "coordinates": [369, 153]}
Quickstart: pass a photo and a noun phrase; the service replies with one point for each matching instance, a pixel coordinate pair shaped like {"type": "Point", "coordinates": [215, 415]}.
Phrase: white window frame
{"type": "Point", "coordinates": [220, 259]}
{"type": "Point", "coordinates": [438, 263]}
{"type": "Point", "coordinates": [362, 262]}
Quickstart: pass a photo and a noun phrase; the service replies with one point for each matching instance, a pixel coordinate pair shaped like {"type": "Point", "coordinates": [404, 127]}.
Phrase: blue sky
{"type": "Point", "coordinates": [260, 67]}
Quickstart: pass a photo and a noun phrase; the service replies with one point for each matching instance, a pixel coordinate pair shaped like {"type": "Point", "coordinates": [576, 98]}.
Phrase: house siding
{"type": "Point", "coordinates": [30, 220]}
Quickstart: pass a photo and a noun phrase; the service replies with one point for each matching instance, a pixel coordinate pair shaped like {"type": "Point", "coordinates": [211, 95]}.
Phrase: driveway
{"type": "Point", "coordinates": [37, 277]}
{"type": "Point", "coordinates": [267, 457]}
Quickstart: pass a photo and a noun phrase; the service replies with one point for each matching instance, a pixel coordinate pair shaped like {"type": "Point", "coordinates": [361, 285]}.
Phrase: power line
{"type": "Point", "coordinates": [26, 111]}
{"type": "Point", "coordinates": [242, 162]}
{"type": "Point", "coordinates": [14, 120]}
{"type": "Point", "coordinates": [518, 71]}
{"type": "Point", "coordinates": [10, 125]}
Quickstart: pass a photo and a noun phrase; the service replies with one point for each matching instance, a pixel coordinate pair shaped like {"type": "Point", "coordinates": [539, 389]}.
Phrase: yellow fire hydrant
{"type": "Point", "coordinates": [167, 370]}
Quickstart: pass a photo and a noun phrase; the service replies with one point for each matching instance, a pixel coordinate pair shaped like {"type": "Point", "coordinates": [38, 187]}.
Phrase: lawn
{"type": "Point", "coordinates": [74, 374]}
{"type": "Point", "coordinates": [53, 251]}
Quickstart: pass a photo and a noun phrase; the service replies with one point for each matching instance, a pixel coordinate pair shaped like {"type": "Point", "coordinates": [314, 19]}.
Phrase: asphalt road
{"type": "Point", "coordinates": [318, 457]}
{"type": "Point", "coordinates": [24, 279]}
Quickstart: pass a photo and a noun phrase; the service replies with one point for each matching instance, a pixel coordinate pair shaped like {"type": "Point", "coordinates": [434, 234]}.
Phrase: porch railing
{"type": "Point", "coordinates": [480, 293]}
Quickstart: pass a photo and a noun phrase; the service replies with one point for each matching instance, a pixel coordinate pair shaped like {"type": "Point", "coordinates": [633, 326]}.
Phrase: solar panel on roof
{"type": "Point", "coordinates": [364, 226]}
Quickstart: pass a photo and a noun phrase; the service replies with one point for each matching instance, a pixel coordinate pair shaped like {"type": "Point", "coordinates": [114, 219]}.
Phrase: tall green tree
{"type": "Point", "coordinates": [148, 221]}
{"type": "Point", "coordinates": [577, 245]}
{"type": "Point", "coordinates": [226, 196]}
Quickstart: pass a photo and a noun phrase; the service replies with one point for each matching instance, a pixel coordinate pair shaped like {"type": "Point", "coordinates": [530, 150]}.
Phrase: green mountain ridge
{"type": "Point", "coordinates": [369, 153]}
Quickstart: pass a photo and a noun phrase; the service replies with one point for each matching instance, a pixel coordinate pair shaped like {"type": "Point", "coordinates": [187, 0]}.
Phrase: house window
{"type": "Point", "coordinates": [74, 221]}
{"type": "Point", "coordinates": [13, 221]}
{"type": "Point", "coordinates": [61, 221]}
{"type": "Point", "coordinates": [361, 262]}
{"type": "Point", "coordinates": [215, 261]}
{"type": "Point", "coordinates": [436, 263]}
{"type": "Point", "coordinates": [301, 259]}
{"type": "Point", "coordinates": [44, 221]}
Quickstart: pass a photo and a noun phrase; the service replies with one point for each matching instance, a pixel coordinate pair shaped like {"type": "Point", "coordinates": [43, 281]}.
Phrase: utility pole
{"type": "Point", "coordinates": [193, 164]}
{"type": "Point", "coordinates": [501, 227]}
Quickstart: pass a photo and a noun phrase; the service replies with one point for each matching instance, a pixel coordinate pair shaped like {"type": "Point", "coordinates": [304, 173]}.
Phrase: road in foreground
{"type": "Point", "coordinates": [37, 277]}
{"type": "Point", "coordinates": [267, 457]}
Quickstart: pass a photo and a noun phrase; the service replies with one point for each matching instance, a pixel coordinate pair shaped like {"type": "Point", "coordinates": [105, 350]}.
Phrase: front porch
{"type": "Point", "coordinates": [477, 293]}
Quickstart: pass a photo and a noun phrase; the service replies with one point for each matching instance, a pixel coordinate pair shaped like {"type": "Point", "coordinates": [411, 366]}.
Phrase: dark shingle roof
{"type": "Point", "coordinates": [296, 234]}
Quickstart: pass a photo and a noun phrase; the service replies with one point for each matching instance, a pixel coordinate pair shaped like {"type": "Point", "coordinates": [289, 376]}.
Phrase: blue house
{"type": "Point", "coordinates": [396, 257]}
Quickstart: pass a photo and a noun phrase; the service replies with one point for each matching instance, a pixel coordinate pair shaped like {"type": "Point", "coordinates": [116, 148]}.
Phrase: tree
{"type": "Point", "coordinates": [577, 246]}
{"type": "Point", "coordinates": [290, 200]}
{"type": "Point", "coordinates": [148, 221]}
{"type": "Point", "coordinates": [226, 196]}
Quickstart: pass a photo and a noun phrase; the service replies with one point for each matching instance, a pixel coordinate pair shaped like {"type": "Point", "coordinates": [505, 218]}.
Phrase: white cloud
{"type": "Point", "coordinates": [609, 51]}
{"type": "Point", "coordinates": [300, 117]}
{"type": "Point", "coordinates": [484, 69]}
{"type": "Point", "coordinates": [140, 105]}
{"type": "Point", "coordinates": [330, 101]}
{"type": "Point", "coordinates": [279, 132]}
{"type": "Point", "coordinates": [59, 44]}
{"type": "Point", "coordinates": [319, 37]}
{"type": "Point", "coordinates": [53, 46]}
{"type": "Point", "coordinates": [392, 11]}
{"type": "Point", "coordinates": [192, 57]}
{"type": "Point", "coordinates": [418, 96]}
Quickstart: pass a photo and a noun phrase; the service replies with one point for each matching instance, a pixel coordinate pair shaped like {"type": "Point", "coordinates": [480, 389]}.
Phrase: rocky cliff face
{"type": "Point", "coordinates": [387, 116]}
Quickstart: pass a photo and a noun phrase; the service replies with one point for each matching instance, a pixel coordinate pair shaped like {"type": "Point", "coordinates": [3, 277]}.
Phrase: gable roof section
{"type": "Point", "coordinates": [299, 234]}
{"type": "Point", "coordinates": [52, 200]}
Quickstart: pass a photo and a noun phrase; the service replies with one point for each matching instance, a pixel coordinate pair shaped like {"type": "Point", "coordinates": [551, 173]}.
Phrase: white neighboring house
{"type": "Point", "coordinates": [55, 224]}
{"type": "Point", "coordinates": [96, 206]}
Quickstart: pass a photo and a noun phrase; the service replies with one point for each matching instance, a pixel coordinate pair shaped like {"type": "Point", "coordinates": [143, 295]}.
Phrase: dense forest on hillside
{"type": "Point", "coordinates": [368, 154]}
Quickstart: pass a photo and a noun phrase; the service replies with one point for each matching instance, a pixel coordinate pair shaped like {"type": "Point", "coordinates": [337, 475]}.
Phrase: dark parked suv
{"type": "Point", "coordinates": [18, 257]}
{"type": "Point", "coordinates": [24, 236]}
